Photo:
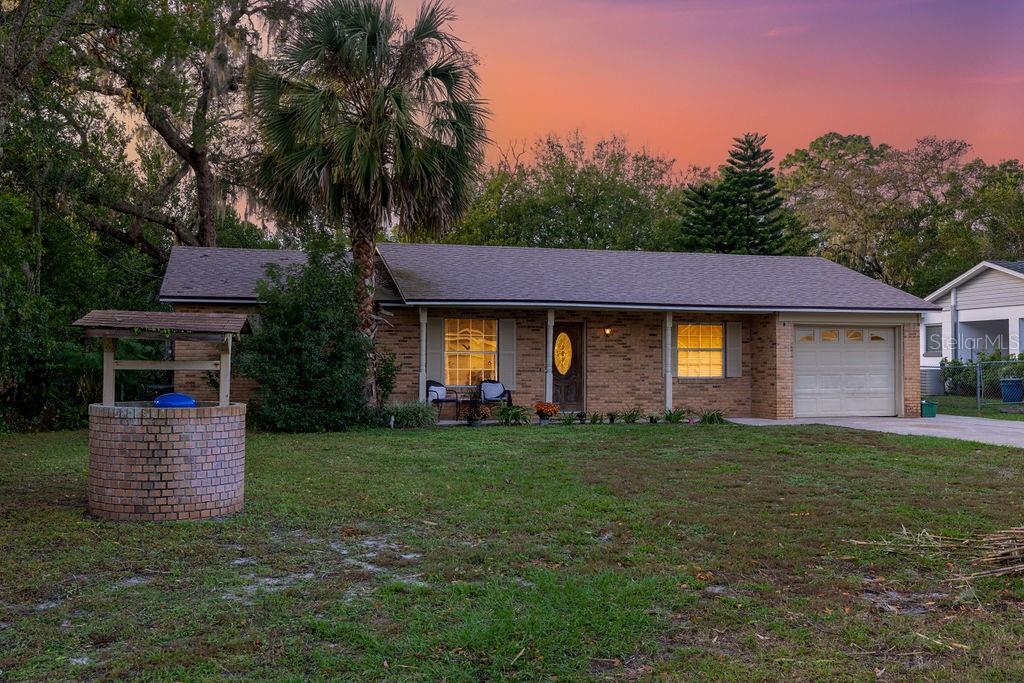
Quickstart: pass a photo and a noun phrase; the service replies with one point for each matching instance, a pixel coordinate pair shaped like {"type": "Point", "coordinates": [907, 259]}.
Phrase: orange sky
{"type": "Point", "coordinates": [684, 77]}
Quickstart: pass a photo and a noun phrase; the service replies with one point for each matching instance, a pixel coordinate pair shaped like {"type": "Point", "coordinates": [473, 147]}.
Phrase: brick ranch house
{"type": "Point", "coordinates": [762, 336]}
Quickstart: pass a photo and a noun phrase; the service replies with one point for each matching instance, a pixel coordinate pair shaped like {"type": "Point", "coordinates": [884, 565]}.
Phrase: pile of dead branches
{"type": "Point", "coordinates": [997, 554]}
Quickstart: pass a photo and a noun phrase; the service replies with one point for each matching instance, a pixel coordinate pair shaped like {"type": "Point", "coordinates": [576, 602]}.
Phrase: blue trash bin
{"type": "Point", "coordinates": [1012, 389]}
{"type": "Point", "coordinates": [173, 400]}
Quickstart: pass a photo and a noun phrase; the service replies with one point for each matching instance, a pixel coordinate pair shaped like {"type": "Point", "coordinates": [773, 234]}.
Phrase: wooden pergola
{"type": "Point", "coordinates": [216, 328]}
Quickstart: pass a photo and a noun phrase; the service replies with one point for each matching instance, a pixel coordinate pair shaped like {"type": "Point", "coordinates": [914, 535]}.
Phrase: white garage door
{"type": "Point", "coordinates": [841, 371]}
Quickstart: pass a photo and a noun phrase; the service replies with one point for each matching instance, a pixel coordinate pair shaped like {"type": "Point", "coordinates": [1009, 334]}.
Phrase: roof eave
{"type": "Point", "coordinates": [654, 307]}
{"type": "Point", "coordinates": [964, 277]}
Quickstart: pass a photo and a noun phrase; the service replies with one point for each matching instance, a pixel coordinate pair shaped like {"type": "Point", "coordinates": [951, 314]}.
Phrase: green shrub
{"type": "Point", "coordinates": [596, 418]}
{"type": "Point", "coordinates": [308, 355]}
{"type": "Point", "coordinates": [410, 415]}
{"type": "Point", "coordinates": [567, 418]}
{"type": "Point", "coordinates": [632, 416]}
{"type": "Point", "coordinates": [960, 378]}
{"type": "Point", "coordinates": [512, 415]}
{"type": "Point", "coordinates": [712, 417]}
{"type": "Point", "coordinates": [675, 416]}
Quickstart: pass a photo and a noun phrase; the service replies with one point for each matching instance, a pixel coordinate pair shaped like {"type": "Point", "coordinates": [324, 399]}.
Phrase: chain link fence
{"type": "Point", "coordinates": [985, 382]}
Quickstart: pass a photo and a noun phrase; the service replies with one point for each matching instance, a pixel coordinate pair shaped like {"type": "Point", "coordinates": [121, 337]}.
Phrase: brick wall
{"type": "Point", "coordinates": [623, 369]}
{"type": "Point", "coordinates": [150, 463]}
{"type": "Point", "coordinates": [197, 383]}
{"type": "Point", "coordinates": [911, 370]}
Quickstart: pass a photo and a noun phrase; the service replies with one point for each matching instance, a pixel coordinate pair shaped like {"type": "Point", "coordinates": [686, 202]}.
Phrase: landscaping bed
{"type": "Point", "coordinates": [605, 551]}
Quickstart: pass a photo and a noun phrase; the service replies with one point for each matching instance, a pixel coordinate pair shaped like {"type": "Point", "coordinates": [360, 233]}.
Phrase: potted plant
{"type": "Point", "coordinates": [475, 412]}
{"type": "Point", "coordinates": [545, 411]}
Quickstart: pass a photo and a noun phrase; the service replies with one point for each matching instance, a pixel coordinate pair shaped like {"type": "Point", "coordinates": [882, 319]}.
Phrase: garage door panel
{"type": "Point", "coordinates": [844, 371]}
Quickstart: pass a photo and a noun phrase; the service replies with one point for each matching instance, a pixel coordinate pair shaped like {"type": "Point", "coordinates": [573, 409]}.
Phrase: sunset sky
{"type": "Point", "coordinates": [683, 77]}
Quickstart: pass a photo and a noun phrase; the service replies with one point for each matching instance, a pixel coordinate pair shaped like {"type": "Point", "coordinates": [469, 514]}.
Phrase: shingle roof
{"type": "Point", "coordinates": [1017, 266]}
{"type": "Point", "coordinates": [449, 273]}
{"type": "Point", "coordinates": [225, 274]}
{"type": "Point", "coordinates": [536, 276]}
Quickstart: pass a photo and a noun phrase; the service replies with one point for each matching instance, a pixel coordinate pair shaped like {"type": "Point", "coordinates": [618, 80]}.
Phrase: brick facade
{"type": "Point", "coordinates": [624, 369]}
{"type": "Point", "coordinates": [149, 463]}
{"type": "Point", "coordinates": [200, 385]}
{"type": "Point", "coordinates": [911, 370]}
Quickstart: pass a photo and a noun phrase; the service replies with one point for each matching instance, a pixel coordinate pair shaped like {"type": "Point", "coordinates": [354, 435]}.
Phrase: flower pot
{"type": "Point", "coordinates": [543, 421]}
{"type": "Point", "coordinates": [474, 423]}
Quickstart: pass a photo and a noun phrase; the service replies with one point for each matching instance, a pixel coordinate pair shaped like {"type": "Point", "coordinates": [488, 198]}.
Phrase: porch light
{"type": "Point", "coordinates": [607, 331]}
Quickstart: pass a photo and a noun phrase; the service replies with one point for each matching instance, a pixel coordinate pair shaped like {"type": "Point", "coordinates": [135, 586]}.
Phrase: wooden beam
{"type": "Point", "coordinates": [109, 348]}
{"type": "Point", "coordinates": [166, 365]}
{"type": "Point", "coordinates": [154, 336]}
{"type": "Point", "coordinates": [225, 371]}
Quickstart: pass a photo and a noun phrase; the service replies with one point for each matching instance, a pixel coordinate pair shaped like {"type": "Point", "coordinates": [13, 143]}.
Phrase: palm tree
{"type": "Point", "coordinates": [365, 122]}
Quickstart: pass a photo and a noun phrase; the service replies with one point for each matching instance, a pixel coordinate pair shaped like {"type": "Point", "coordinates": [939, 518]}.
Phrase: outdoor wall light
{"type": "Point", "coordinates": [607, 331]}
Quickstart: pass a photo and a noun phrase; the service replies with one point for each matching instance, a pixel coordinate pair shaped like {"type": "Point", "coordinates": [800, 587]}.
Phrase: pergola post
{"type": "Point", "coordinates": [225, 371]}
{"type": "Point", "coordinates": [109, 393]}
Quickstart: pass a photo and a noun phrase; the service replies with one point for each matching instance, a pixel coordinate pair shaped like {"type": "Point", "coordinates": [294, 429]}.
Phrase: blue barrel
{"type": "Point", "coordinates": [173, 400]}
{"type": "Point", "coordinates": [1012, 389]}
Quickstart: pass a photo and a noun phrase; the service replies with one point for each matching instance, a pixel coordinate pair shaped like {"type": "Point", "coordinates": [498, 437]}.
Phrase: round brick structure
{"type": "Point", "coordinates": [149, 463]}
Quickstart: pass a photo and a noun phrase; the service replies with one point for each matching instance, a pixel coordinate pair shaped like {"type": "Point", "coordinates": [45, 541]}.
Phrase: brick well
{"type": "Point", "coordinates": [149, 463]}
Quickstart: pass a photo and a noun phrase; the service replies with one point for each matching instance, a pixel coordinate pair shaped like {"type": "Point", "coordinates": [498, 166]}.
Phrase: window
{"type": "Point", "coordinates": [829, 336]}
{"type": "Point", "coordinates": [933, 340]}
{"type": "Point", "coordinates": [854, 336]}
{"type": "Point", "coordinates": [470, 351]}
{"type": "Point", "coordinates": [701, 350]}
{"type": "Point", "coordinates": [806, 338]}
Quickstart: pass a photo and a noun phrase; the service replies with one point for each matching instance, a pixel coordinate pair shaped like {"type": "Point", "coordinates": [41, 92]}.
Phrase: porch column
{"type": "Point", "coordinates": [1013, 342]}
{"type": "Point", "coordinates": [423, 355]}
{"type": "Point", "coordinates": [667, 361]}
{"type": "Point", "coordinates": [548, 373]}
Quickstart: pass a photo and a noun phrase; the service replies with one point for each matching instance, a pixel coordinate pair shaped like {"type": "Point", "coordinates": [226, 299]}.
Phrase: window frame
{"type": "Point", "coordinates": [445, 353]}
{"type": "Point", "coordinates": [932, 353]}
{"type": "Point", "coordinates": [687, 349]}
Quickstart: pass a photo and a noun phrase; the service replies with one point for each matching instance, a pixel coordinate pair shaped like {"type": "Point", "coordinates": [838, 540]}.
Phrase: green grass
{"type": "Point", "coordinates": [584, 552]}
{"type": "Point", "coordinates": [968, 405]}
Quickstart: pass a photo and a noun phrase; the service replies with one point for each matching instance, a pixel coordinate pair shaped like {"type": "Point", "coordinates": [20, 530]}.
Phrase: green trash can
{"type": "Point", "coordinates": [929, 409]}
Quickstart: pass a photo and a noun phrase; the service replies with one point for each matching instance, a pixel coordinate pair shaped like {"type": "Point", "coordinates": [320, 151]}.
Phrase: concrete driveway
{"type": "Point", "coordinates": [981, 429]}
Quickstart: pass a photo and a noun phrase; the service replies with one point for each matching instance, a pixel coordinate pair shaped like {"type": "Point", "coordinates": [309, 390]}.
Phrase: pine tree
{"type": "Point", "coordinates": [741, 213]}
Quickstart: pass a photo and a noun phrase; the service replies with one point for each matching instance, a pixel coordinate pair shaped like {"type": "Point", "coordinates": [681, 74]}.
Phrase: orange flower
{"type": "Point", "coordinates": [546, 410]}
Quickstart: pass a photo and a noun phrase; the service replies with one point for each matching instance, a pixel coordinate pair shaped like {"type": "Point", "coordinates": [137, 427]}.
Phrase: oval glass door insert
{"type": "Point", "coordinates": [563, 353]}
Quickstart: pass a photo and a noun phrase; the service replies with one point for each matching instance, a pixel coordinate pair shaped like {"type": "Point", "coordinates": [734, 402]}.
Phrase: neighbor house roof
{"type": "Point", "coordinates": [226, 275]}
{"type": "Point", "coordinates": [438, 274]}
{"type": "Point", "coordinates": [1015, 268]}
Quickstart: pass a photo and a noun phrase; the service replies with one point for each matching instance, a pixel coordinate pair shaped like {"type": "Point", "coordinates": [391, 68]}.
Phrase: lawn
{"type": "Point", "coordinates": [584, 552]}
{"type": "Point", "coordinates": [968, 405]}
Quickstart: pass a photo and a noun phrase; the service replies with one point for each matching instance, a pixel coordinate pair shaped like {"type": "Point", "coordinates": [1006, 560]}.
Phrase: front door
{"type": "Point", "coordinates": [567, 367]}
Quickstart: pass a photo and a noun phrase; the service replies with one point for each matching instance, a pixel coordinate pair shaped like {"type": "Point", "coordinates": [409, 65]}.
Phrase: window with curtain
{"type": "Point", "coordinates": [700, 350]}
{"type": "Point", "coordinates": [470, 351]}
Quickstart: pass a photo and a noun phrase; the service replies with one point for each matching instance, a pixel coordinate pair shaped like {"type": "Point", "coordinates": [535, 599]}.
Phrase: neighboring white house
{"type": "Point", "coordinates": [981, 313]}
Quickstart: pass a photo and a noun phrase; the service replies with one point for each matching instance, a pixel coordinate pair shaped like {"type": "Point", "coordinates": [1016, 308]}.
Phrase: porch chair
{"type": "Point", "coordinates": [438, 395]}
{"type": "Point", "coordinates": [493, 391]}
